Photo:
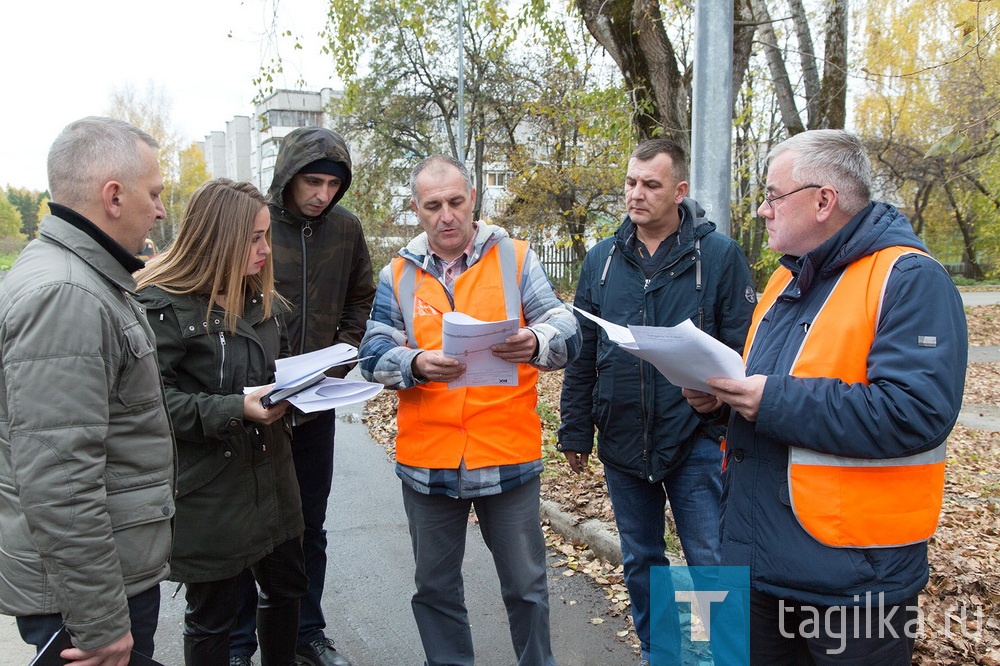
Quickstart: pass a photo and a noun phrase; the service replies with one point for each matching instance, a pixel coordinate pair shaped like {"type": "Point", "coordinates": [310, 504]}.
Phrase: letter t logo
{"type": "Point", "coordinates": [704, 599]}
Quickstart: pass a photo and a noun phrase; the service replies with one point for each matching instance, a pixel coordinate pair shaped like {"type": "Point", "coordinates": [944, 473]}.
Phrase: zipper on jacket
{"type": "Point", "coordinates": [642, 396]}
{"type": "Point", "coordinates": [304, 308]}
{"type": "Point", "coordinates": [222, 365]}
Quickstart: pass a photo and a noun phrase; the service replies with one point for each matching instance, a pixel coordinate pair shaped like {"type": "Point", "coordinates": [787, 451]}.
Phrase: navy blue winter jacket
{"type": "Point", "coordinates": [910, 405]}
{"type": "Point", "coordinates": [645, 426]}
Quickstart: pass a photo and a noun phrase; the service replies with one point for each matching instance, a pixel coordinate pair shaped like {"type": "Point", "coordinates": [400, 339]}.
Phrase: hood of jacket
{"type": "Point", "coordinates": [303, 146]}
{"type": "Point", "coordinates": [693, 225]}
{"type": "Point", "coordinates": [419, 252]}
{"type": "Point", "coordinates": [878, 226]}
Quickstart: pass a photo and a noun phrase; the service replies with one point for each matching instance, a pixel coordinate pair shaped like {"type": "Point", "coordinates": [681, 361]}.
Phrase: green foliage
{"type": "Point", "coordinates": [931, 117]}
{"type": "Point", "coordinates": [26, 202]}
{"type": "Point", "coordinates": [43, 210]}
{"type": "Point", "coordinates": [567, 179]}
{"type": "Point", "coordinates": [371, 199]}
{"type": "Point", "coordinates": [188, 176]}
{"type": "Point", "coordinates": [404, 99]}
{"type": "Point", "coordinates": [10, 220]}
{"type": "Point", "coordinates": [962, 281]}
{"type": "Point", "coordinates": [538, 100]}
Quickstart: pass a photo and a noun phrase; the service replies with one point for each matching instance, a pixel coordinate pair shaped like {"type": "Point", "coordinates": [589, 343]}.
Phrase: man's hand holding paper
{"type": "Point", "coordinates": [488, 350]}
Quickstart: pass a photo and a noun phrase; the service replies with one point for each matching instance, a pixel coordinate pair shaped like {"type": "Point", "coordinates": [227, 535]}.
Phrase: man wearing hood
{"type": "Point", "coordinates": [664, 265]}
{"type": "Point", "coordinates": [475, 446]}
{"type": "Point", "coordinates": [856, 362]}
{"type": "Point", "coordinates": [322, 266]}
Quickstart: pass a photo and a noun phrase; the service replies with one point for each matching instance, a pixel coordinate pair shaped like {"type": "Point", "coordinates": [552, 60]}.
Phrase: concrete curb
{"type": "Point", "coordinates": [595, 533]}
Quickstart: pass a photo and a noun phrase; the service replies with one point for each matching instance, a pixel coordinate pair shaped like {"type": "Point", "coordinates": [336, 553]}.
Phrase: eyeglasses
{"type": "Point", "coordinates": [770, 200]}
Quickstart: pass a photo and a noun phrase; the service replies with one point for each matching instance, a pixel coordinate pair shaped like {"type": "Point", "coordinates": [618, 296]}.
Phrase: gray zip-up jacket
{"type": "Point", "coordinates": [86, 451]}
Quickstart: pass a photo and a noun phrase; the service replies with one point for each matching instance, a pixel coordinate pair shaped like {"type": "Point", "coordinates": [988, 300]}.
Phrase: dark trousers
{"type": "Point", "coordinates": [143, 613]}
{"type": "Point", "coordinates": [787, 633]}
{"type": "Point", "coordinates": [511, 529]}
{"type": "Point", "coordinates": [211, 611]}
{"type": "Point", "coordinates": [312, 451]}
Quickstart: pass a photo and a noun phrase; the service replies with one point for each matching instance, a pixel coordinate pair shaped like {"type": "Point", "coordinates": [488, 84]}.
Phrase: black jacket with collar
{"type": "Point", "coordinates": [645, 426]}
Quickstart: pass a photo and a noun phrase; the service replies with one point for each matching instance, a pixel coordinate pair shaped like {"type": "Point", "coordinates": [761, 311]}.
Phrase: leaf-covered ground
{"type": "Point", "coordinates": [960, 605]}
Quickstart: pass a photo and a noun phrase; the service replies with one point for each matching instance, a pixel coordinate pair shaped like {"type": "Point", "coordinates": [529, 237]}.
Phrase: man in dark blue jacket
{"type": "Point", "coordinates": [664, 265]}
{"type": "Point", "coordinates": [835, 462]}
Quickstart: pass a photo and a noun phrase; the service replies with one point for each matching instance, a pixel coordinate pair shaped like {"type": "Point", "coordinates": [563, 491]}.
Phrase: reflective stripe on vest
{"type": "Point", "coordinates": [510, 272]}
{"type": "Point", "coordinates": [485, 426]}
{"type": "Point", "coordinates": [853, 502]}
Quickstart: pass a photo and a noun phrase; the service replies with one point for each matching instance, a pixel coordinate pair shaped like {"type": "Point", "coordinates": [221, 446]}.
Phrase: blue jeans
{"type": "Point", "coordinates": [143, 613]}
{"type": "Point", "coordinates": [695, 492]}
{"type": "Point", "coordinates": [312, 451]}
{"type": "Point", "coordinates": [511, 529]}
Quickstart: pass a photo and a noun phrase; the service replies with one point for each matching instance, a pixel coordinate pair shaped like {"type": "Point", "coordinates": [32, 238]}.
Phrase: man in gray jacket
{"type": "Point", "coordinates": [86, 451]}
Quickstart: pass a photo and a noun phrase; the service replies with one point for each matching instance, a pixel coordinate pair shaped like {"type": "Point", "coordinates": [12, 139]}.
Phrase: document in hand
{"type": "Point", "coordinates": [297, 373]}
{"type": "Point", "coordinates": [684, 354]}
{"type": "Point", "coordinates": [333, 392]}
{"type": "Point", "coordinates": [49, 655]}
{"type": "Point", "coordinates": [469, 340]}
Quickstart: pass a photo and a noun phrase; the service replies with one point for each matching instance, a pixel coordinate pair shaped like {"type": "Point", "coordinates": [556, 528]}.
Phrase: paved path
{"type": "Point", "coordinates": [980, 297]}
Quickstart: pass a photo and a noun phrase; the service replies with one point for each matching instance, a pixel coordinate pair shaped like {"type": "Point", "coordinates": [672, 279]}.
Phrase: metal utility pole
{"type": "Point", "coordinates": [461, 85]}
{"type": "Point", "coordinates": [712, 110]}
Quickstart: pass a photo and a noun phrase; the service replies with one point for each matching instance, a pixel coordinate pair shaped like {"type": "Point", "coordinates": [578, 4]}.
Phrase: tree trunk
{"type": "Point", "coordinates": [632, 33]}
{"type": "Point", "coordinates": [779, 75]}
{"type": "Point", "coordinates": [968, 235]}
{"type": "Point", "coordinates": [807, 60]}
{"type": "Point", "coordinates": [833, 97]}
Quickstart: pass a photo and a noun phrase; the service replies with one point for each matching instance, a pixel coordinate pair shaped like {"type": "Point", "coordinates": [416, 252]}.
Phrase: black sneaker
{"type": "Point", "coordinates": [240, 660]}
{"type": "Point", "coordinates": [320, 652]}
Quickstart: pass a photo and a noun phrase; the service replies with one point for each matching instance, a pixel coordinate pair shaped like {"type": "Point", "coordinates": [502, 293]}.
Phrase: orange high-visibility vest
{"type": "Point", "coordinates": [854, 502]}
{"type": "Point", "coordinates": [484, 425]}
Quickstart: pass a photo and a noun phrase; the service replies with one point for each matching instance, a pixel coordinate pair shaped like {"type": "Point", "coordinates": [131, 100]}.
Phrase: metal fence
{"type": "Point", "coordinates": [559, 262]}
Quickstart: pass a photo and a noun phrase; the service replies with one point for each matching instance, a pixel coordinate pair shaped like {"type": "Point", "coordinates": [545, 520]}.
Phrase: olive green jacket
{"type": "Point", "coordinates": [86, 457]}
{"type": "Point", "coordinates": [237, 495]}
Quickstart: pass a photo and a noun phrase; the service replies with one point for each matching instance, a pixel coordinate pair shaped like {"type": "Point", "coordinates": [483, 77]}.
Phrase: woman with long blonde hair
{"type": "Point", "coordinates": [211, 302]}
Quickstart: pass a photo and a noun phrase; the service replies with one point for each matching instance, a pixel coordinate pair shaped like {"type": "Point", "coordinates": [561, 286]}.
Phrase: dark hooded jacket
{"type": "Point", "coordinates": [645, 426]}
{"type": "Point", "coordinates": [909, 406]}
{"type": "Point", "coordinates": [321, 264]}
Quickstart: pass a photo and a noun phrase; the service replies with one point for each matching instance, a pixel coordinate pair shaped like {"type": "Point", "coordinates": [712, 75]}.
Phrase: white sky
{"type": "Point", "coordinates": [61, 59]}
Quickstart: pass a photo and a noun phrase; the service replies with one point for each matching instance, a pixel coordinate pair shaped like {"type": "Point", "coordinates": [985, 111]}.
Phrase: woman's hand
{"type": "Point", "coordinates": [254, 411]}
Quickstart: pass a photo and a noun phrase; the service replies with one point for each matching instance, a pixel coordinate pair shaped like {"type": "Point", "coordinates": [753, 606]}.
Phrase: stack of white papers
{"type": "Point", "coordinates": [684, 354]}
{"type": "Point", "coordinates": [301, 380]}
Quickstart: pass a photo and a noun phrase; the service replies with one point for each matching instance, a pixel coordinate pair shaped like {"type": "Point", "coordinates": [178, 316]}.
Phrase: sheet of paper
{"type": "Point", "coordinates": [333, 392]}
{"type": "Point", "coordinates": [330, 393]}
{"type": "Point", "coordinates": [294, 369]}
{"type": "Point", "coordinates": [684, 354]}
{"type": "Point", "coordinates": [617, 334]}
{"type": "Point", "coordinates": [469, 340]}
